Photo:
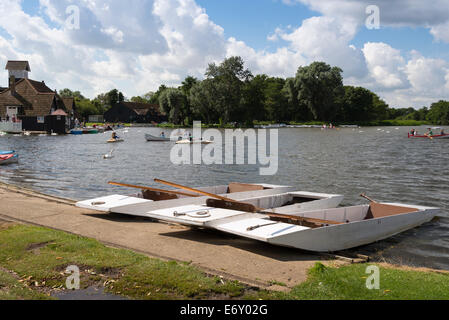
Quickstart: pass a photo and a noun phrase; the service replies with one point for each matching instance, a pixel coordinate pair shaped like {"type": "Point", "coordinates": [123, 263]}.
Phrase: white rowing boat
{"type": "Point", "coordinates": [348, 227]}
{"type": "Point", "coordinates": [187, 141]}
{"type": "Point", "coordinates": [265, 195]}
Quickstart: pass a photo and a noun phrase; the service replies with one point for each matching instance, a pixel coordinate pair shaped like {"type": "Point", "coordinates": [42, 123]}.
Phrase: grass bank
{"type": "Point", "coordinates": [33, 261]}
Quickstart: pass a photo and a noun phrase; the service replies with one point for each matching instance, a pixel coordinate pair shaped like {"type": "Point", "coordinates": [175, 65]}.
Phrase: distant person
{"type": "Point", "coordinates": [190, 137]}
{"type": "Point", "coordinates": [163, 135]}
{"type": "Point", "coordinates": [115, 136]}
{"type": "Point", "coordinates": [429, 132]}
{"type": "Point", "coordinates": [413, 132]}
{"type": "Point", "coordinates": [442, 132]}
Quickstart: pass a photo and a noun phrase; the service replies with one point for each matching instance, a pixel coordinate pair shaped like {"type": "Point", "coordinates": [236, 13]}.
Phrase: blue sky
{"type": "Point", "coordinates": [138, 45]}
{"type": "Point", "coordinates": [253, 20]}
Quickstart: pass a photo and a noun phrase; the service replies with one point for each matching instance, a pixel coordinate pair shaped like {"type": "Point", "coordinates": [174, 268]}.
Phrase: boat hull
{"type": "Point", "coordinates": [193, 142]}
{"type": "Point", "coordinates": [150, 138]}
{"type": "Point", "coordinates": [330, 238]}
{"type": "Point", "coordinates": [115, 140]}
{"type": "Point", "coordinates": [439, 136]}
{"type": "Point", "coordinates": [8, 159]}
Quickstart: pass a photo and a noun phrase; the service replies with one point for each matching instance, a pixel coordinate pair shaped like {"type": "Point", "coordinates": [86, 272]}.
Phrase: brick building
{"type": "Point", "coordinates": [33, 103]}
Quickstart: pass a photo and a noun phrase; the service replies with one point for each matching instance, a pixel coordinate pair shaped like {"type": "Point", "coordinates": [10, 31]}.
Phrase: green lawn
{"type": "Point", "coordinates": [39, 256]}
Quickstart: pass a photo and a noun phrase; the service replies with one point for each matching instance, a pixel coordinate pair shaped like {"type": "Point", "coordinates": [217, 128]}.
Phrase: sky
{"type": "Point", "coordinates": [137, 45]}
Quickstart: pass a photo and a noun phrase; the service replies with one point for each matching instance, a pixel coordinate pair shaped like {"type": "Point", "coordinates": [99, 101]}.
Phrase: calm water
{"type": "Point", "coordinates": [382, 162]}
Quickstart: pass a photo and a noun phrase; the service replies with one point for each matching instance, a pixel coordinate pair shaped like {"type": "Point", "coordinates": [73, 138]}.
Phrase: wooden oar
{"type": "Point", "coordinates": [152, 189]}
{"type": "Point", "coordinates": [363, 195]}
{"type": "Point", "coordinates": [227, 203]}
{"type": "Point", "coordinates": [204, 193]}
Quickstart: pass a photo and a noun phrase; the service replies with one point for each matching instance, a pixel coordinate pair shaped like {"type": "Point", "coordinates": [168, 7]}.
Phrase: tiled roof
{"type": "Point", "coordinates": [36, 98]}
{"type": "Point", "coordinates": [17, 65]}
{"type": "Point", "coordinates": [59, 112]}
{"type": "Point", "coordinates": [40, 87]}
{"type": "Point", "coordinates": [141, 108]}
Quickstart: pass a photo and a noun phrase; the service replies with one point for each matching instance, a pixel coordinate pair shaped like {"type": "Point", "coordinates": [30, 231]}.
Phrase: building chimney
{"type": "Point", "coordinates": [12, 85]}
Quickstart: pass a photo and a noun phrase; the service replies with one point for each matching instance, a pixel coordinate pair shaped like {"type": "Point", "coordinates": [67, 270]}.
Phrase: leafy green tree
{"type": "Point", "coordinates": [154, 97]}
{"type": "Point", "coordinates": [173, 103]}
{"type": "Point", "coordinates": [295, 110]}
{"type": "Point", "coordinates": [228, 80]}
{"type": "Point", "coordinates": [252, 101]}
{"type": "Point", "coordinates": [439, 113]}
{"type": "Point", "coordinates": [356, 105]}
{"type": "Point", "coordinates": [318, 85]}
{"type": "Point", "coordinates": [203, 103]}
{"type": "Point", "coordinates": [67, 93]}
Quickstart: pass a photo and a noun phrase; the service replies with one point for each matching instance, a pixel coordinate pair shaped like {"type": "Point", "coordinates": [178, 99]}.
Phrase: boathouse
{"type": "Point", "coordinates": [132, 112]}
{"type": "Point", "coordinates": [29, 105]}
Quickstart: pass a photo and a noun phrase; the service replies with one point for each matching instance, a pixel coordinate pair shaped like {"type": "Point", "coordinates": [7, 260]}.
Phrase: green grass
{"type": "Point", "coordinates": [39, 256]}
{"type": "Point", "coordinates": [393, 123]}
{"type": "Point", "coordinates": [127, 273]}
{"type": "Point", "coordinates": [349, 283]}
{"type": "Point", "coordinates": [12, 289]}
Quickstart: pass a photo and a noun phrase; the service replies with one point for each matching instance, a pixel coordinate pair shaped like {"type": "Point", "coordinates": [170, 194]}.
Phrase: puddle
{"type": "Point", "coordinates": [92, 293]}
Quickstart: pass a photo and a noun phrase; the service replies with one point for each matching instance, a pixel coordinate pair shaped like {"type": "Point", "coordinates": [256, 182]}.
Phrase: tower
{"type": "Point", "coordinates": [18, 69]}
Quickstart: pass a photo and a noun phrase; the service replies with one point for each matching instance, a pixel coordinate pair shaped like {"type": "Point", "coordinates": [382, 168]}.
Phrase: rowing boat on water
{"type": "Point", "coordinates": [115, 140]}
{"type": "Point", "coordinates": [6, 152]}
{"type": "Point", "coordinates": [187, 141]}
{"type": "Point", "coordinates": [150, 137]}
{"type": "Point", "coordinates": [8, 158]}
{"type": "Point", "coordinates": [438, 136]}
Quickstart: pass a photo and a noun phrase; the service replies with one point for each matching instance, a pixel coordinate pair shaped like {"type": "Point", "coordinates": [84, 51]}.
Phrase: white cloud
{"type": "Point", "coordinates": [386, 66]}
{"type": "Point", "coordinates": [136, 48]}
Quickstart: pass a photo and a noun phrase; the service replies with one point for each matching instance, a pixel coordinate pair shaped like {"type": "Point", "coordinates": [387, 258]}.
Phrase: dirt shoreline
{"type": "Point", "coordinates": [250, 262]}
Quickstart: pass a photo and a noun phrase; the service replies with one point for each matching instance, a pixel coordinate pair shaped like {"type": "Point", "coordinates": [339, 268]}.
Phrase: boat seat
{"type": "Point", "coordinates": [242, 187]}
{"type": "Point", "coordinates": [158, 196]}
{"type": "Point", "coordinates": [379, 210]}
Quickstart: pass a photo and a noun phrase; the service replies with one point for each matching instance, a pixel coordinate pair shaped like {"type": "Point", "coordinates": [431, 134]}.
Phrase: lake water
{"type": "Point", "coordinates": [382, 162]}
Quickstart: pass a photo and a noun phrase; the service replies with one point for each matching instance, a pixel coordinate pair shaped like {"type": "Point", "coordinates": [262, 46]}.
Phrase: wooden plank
{"type": "Point", "coordinates": [246, 207]}
{"type": "Point", "coordinates": [151, 189]}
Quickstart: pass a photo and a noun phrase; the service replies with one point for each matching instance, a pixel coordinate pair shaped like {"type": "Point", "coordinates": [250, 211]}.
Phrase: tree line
{"type": "Point", "coordinates": [230, 93]}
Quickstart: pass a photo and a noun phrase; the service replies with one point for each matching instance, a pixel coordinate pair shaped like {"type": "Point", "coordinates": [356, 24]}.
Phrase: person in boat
{"type": "Point", "coordinates": [163, 135]}
{"type": "Point", "coordinates": [115, 136]}
{"type": "Point", "coordinates": [442, 132]}
{"type": "Point", "coordinates": [413, 132]}
{"type": "Point", "coordinates": [429, 132]}
{"type": "Point", "coordinates": [190, 137]}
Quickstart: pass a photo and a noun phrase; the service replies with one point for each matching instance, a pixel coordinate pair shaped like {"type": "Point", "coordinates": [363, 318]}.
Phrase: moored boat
{"type": "Point", "coordinates": [9, 158]}
{"type": "Point", "coordinates": [261, 194]}
{"type": "Point", "coordinates": [187, 141]}
{"type": "Point", "coordinates": [150, 137]}
{"type": "Point", "coordinates": [324, 230]}
{"type": "Point", "coordinates": [6, 152]}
